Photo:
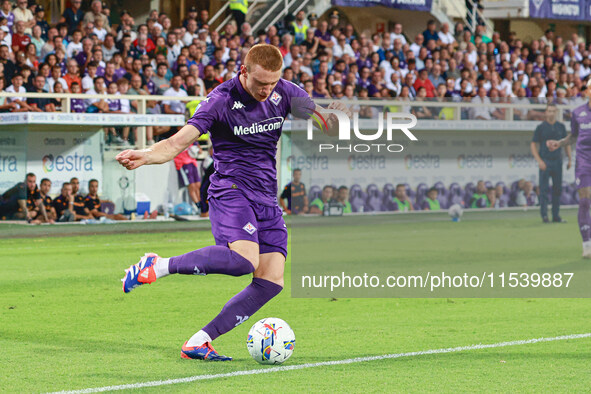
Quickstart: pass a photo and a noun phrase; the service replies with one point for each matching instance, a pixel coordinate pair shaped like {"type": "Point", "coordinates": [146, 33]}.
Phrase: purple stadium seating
{"type": "Point", "coordinates": [420, 197]}
{"type": "Point", "coordinates": [374, 199]}
{"type": "Point", "coordinates": [314, 193]}
{"type": "Point", "coordinates": [387, 196]}
{"type": "Point", "coordinates": [356, 198]}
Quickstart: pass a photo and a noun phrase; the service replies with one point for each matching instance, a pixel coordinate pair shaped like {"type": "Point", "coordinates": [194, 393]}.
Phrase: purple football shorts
{"type": "Point", "coordinates": [234, 217]}
{"type": "Point", "coordinates": [189, 173]}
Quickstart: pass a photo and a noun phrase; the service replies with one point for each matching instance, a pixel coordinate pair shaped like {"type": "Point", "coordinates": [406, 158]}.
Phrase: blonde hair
{"type": "Point", "coordinates": [265, 55]}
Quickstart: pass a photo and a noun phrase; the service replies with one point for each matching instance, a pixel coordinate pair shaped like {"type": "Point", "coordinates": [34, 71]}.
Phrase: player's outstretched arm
{"type": "Point", "coordinates": [161, 152]}
{"type": "Point", "coordinates": [554, 144]}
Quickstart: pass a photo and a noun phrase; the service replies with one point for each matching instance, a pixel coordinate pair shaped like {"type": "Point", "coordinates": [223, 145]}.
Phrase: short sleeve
{"type": "Point", "coordinates": [286, 192]}
{"type": "Point", "coordinates": [207, 113]}
{"type": "Point", "coordinates": [563, 133]}
{"type": "Point", "coordinates": [536, 137]}
{"type": "Point", "coordinates": [301, 105]}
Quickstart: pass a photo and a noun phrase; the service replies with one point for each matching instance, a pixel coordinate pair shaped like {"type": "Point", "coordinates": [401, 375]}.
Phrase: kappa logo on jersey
{"type": "Point", "coordinates": [275, 98]}
{"type": "Point", "coordinates": [237, 105]}
{"type": "Point", "coordinates": [249, 228]}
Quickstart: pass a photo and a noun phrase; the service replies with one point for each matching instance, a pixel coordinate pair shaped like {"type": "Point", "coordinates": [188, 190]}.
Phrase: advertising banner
{"type": "Point", "coordinates": [61, 155]}
{"type": "Point", "coordinates": [560, 9]}
{"type": "Point", "coordinates": [13, 156]}
{"type": "Point", "coordinates": [413, 5]}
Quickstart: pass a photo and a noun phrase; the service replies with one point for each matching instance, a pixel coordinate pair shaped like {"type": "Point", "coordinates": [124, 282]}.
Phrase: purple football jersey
{"type": "Point", "coordinates": [581, 128]}
{"type": "Point", "coordinates": [244, 133]}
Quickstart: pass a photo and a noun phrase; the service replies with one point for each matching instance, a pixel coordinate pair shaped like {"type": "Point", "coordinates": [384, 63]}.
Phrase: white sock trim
{"type": "Point", "coordinates": [199, 339]}
{"type": "Point", "coordinates": [161, 267]}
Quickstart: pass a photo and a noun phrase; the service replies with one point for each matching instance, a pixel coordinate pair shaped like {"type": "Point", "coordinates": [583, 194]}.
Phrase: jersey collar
{"type": "Point", "coordinates": [244, 95]}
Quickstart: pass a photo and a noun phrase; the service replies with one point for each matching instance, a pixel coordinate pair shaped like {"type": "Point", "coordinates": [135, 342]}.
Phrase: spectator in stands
{"type": "Point", "coordinates": [17, 87]}
{"type": "Point", "coordinates": [317, 206]}
{"type": "Point", "coordinates": [479, 197]}
{"type": "Point", "coordinates": [43, 104]}
{"type": "Point", "coordinates": [527, 197]}
{"type": "Point", "coordinates": [423, 81]}
{"type": "Point", "coordinates": [6, 12]}
{"type": "Point", "coordinates": [483, 110]}
{"type": "Point", "coordinates": [343, 199]}
{"type": "Point", "coordinates": [20, 39]}
{"type": "Point", "coordinates": [77, 105]}
{"type": "Point", "coordinates": [96, 13]}
{"type": "Point", "coordinates": [92, 203]}
{"type": "Point", "coordinates": [431, 203]}
{"type": "Point", "coordinates": [401, 201]}
{"type": "Point", "coordinates": [24, 15]}
{"type": "Point", "coordinates": [56, 78]}
{"type": "Point", "coordinates": [64, 204]}
{"type": "Point", "coordinates": [72, 16]}
{"type": "Point", "coordinates": [421, 111]}
{"type": "Point", "coordinates": [295, 194]}
{"type": "Point", "coordinates": [72, 75]}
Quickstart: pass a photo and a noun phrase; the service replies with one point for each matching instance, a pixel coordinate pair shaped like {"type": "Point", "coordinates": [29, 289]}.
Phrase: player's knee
{"type": "Point", "coordinates": [252, 257]}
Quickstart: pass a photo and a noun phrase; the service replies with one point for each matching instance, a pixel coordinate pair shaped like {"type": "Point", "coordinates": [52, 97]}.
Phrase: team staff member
{"type": "Point", "coordinates": [550, 162]}
{"type": "Point", "coordinates": [295, 193]}
{"type": "Point", "coordinates": [13, 203]}
{"type": "Point", "coordinates": [80, 209]}
{"type": "Point", "coordinates": [35, 207]}
{"type": "Point", "coordinates": [47, 202]}
{"type": "Point", "coordinates": [92, 202]}
{"type": "Point", "coordinates": [64, 204]}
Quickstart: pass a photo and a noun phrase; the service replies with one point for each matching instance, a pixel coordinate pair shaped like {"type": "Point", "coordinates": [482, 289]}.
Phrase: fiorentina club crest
{"type": "Point", "coordinates": [249, 228]}
{"type": "Point", "coordinates": [275, 98]}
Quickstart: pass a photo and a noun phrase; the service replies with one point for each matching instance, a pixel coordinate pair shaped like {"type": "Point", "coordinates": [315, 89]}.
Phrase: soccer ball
{"type": "Point", "coordinates": [455, 211]}
{"type": "Point", "coordinates": [270, 341]}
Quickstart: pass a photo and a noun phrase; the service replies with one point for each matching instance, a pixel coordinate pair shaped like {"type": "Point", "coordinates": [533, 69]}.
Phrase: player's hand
{"type": "Point", "coordinates": [542, 165]}
{"type": "Point", "coordinates": [132, 159]}
{"type": "Point", "coordinates": [568, 165]}
{"type": "Point", "coordinates": [552, 145]}
{"type": "Point", "coordinates": [340, 106]}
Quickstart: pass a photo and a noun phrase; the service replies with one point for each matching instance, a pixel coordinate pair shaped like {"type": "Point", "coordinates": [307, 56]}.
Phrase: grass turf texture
{"type": "Point", "coordinates": [65, 323]}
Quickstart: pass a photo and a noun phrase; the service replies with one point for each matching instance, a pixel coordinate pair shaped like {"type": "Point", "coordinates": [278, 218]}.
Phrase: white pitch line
{"type": "Point", "coordinates": [321, 364]}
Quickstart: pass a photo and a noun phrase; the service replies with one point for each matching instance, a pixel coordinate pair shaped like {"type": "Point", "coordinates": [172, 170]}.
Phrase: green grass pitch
{"type": "Point", "coordinates": [65, 324]}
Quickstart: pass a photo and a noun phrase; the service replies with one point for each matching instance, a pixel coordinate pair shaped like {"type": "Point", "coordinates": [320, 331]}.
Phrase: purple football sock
{"type": "Point", "coordinates": [210, 260]}
{"type": "Point", "coordinates": [585, 218]}
{"type": "Point", "coordinates": [242, 306]}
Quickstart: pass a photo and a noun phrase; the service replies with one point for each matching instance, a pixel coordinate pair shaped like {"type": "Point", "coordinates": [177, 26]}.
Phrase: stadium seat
{"type": "Point", "coordinates": [420, 197]}
{"type": "Point", "coordinates": [356, 198]}
{"type": "Point", "coordinates": [314, 193]}
{"type": "Point", "coordinates": [387, 197]}
{"type": "Point", "coordinates": [374, 199]}
{"type": "Point", "coordinates": [468, 192]}
{"type": "Point", "coordinates": [455, 195]}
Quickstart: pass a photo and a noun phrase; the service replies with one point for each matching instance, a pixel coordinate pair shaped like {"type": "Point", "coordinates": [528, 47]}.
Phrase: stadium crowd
{"type": "Point", "coordinates": [86, 53]}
